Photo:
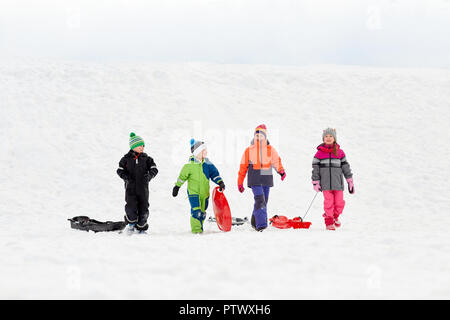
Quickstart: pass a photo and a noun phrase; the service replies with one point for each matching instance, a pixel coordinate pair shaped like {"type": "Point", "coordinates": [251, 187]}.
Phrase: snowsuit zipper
{"type": "Point", "coordinates": [330, 173]}
{"type": "Point", "coordinates": [260, 155]}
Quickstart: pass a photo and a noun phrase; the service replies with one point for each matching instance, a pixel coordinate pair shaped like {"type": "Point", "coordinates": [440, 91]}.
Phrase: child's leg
{"type": "Point", "coordinates": [197, 213]}
{"type": "Point", "coordinates": [196, 225]}
{"type": "Point", "coordinates": [266, 194]}
{"type": "Point", "coordinates": [328, 206]}
{"type": "Point", "coordinates": [205, 205]}
{"type": "Point", "coordinates": [339, 203]}
{"type": "Point", "coordinates": [142, 213]}
{"type": "Point", "coordinates": [131, 208]}
{"type": "Point", "coordinates": [260, 208]}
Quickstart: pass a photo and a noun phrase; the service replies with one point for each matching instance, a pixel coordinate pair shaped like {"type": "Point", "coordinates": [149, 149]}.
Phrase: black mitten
{"type": "Point", "coordinates": [175, 191]}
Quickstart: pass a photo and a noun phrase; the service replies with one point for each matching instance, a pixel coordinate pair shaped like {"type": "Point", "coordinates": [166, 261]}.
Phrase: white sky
{"type": "Point", "coordinates": [404, 33]}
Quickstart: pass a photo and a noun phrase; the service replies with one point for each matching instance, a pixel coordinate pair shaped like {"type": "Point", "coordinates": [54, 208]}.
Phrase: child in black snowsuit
{"type": "Point", "coordinates": [136, 168]}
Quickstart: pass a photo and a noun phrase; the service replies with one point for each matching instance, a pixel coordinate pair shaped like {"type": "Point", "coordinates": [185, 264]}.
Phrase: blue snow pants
{"type": "Point", "coordinates": [261, 195]}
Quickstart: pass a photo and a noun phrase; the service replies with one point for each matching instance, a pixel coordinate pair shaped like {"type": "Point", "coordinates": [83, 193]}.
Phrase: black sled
{"type": "Point", "coordinates": [86, 224]}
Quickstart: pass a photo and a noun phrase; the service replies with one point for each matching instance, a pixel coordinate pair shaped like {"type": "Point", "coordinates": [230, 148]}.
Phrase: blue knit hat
{"type": "Point", "coordinates": [135, 141]}
{"type": "Point", "coordinates": [197, 147]}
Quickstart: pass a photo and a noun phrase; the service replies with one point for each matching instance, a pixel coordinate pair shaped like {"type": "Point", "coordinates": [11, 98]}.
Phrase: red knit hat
{"type": "Point", "coordinates": [261, 129]}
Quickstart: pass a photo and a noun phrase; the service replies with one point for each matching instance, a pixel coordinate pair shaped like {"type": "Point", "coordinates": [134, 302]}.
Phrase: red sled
{"type": "Point", "coordinates": [221, 210]}
{"type": "Point", "coordinates": [298, 223]}
{"type": "Point", "coordinates": [282, 222]}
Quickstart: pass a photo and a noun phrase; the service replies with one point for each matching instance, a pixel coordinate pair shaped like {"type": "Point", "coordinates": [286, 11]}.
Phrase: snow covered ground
{"type": "Point", "coordinates": [65, 125]}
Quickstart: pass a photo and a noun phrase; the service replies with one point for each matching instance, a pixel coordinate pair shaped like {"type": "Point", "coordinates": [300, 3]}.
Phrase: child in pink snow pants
{"type": "Point", "coordinates": [329, 167]}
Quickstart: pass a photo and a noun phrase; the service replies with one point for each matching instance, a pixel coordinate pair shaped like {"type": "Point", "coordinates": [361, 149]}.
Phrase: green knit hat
{"type": "Point", "coordinates": [135, 141]}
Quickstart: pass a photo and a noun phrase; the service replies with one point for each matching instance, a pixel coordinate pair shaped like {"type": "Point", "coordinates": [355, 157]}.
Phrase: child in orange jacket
{"type": "Point", "coordinates": [257, 163]}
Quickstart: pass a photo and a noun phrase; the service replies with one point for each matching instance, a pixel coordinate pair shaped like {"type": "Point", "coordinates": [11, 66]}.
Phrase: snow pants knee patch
{"type": "Point", "coordinates": [198, 212]}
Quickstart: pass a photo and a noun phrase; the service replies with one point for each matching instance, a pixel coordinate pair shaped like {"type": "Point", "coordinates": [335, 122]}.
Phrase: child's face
{"type": "Point", "coordinates": [202, 155]}
{"type": "Point", "coordinates": [260, 136]}
{"type": "Point", "coordinates": [139, 149]}
{"type": "Point", "coordinates": [328, 139]}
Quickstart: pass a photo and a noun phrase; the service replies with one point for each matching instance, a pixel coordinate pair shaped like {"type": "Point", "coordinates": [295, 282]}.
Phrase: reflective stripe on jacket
{"type": "Point", "coordinates": [329, 168]}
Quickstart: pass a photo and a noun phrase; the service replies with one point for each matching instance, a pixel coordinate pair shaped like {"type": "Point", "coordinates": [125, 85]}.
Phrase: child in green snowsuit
{"type": "Point", "coordinates": [197, 173]}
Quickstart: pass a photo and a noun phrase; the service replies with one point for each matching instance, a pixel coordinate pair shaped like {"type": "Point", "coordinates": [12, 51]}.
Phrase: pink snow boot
{"type": "Point", "coordinates": [337, 223]}
{"type": "Point", "coordinates": [329, 222]}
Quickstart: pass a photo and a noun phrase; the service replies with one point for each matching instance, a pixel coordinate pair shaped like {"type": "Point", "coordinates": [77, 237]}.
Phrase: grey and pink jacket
{"type": "Point", "coordinates": [329, 169]}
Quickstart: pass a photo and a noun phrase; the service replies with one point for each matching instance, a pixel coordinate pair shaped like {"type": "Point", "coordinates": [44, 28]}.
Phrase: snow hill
{"type": "Point", "coordinates": [65, 126]}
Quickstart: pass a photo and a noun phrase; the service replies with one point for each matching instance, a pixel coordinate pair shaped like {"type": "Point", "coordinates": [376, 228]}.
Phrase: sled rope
{"type": "Point", "coordinates": [310, 205]}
